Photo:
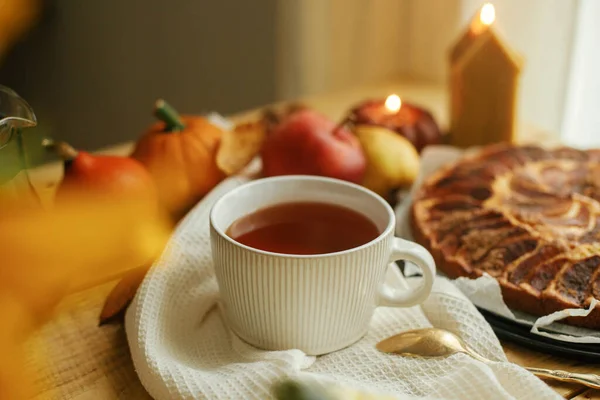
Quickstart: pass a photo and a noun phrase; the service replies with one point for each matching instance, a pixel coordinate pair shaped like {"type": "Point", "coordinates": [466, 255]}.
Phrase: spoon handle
{"type": "Point", "coordinates": [589, 380]}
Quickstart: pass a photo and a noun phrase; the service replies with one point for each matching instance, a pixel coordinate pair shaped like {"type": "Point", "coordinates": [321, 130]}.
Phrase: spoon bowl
{"type": "Point", "coordinates": [429, 342]}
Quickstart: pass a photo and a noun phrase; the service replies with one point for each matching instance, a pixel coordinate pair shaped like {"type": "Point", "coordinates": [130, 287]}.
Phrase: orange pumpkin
{"type": "Point", "coordinates": [179, 152]}
{"type": "Point", "coordinates": [187, 156]}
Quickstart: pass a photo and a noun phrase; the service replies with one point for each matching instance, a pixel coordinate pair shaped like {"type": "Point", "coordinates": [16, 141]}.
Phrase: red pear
{"type": "Point", "coordinates": [308, 143]}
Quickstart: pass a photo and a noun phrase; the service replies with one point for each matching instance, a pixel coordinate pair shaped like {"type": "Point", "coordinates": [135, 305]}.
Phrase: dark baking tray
{"type": "Point", "coordinates": [512, 331]}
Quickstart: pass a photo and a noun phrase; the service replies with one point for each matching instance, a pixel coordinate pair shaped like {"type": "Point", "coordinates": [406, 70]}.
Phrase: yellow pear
{"type": "Point", "coordinates": [392, 161]}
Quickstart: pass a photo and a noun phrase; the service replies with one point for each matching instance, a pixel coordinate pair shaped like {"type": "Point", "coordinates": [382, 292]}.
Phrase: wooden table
{"type": "Point", "coordinates": [73, 358]}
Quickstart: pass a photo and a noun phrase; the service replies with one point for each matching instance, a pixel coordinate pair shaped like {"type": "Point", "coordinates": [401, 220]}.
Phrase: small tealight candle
{"type": "Point", "coordinates": [413, 122]}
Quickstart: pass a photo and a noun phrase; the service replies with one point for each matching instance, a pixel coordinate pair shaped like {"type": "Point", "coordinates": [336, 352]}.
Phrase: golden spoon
{"type": "Point", "coordinates": [434, 342]}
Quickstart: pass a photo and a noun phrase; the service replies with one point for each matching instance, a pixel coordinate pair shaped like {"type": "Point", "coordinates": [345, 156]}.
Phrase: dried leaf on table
{"type": "Point", "coordinates": [239, 146]}
{"type": "Point", "coordinates": [122, 294]}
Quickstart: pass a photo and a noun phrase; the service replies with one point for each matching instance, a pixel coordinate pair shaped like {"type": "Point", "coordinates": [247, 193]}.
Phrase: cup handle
{"type": "Point", "coordinates": [418, 255]}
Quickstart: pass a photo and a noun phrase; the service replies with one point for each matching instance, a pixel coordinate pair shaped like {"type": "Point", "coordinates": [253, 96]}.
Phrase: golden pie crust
{"type": "Point", "coordinates": [528, 216]}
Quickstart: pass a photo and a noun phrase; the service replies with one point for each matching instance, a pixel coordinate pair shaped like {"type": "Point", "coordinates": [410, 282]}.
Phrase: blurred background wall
{"type": "Point", "coordinates": [92, 70]}
{"type": "Point", "coordinates": [326, 45]}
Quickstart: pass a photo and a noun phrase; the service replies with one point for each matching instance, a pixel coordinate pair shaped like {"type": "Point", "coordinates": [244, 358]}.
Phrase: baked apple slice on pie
{"type": "Point", "coordinates": [528, 216]}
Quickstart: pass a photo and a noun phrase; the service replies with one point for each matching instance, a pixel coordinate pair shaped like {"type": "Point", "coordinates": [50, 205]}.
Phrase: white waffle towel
{"type": "Point", "coordinates": [182, 349]}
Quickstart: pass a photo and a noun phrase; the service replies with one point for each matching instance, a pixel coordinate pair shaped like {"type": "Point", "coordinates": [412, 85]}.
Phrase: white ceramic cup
{"type": "Point", "coordinates": [315, 303]}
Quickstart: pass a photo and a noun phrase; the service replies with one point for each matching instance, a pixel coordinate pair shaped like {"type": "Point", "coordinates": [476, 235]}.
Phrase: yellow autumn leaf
{"type": "Point", "coordinates": [44, 251]}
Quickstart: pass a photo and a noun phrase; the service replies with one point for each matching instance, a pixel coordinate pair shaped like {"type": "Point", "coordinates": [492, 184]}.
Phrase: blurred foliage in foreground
{"type": "Point", "coordinates": [43, 251]}
{"type": "Point", "coordinates": [297, 390]}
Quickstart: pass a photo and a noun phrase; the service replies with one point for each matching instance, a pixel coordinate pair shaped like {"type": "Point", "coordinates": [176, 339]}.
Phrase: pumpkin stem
{"type": "Point", "coordinates": [167, 114]}
{"type": "Point", "coordinates": [63, 149]}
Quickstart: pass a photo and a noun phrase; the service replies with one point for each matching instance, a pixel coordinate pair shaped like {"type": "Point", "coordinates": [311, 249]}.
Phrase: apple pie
{"type": "Point", "coordinates": [527, 216]}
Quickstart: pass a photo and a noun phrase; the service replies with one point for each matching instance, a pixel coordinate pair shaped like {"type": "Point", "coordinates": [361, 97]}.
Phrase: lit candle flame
{"type": "Point", "coordinates": [393, 103]}
{"type": "Point", "coordinates": [487, 14]}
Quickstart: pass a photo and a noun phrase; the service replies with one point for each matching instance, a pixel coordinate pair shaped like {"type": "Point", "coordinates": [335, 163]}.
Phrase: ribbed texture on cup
{"type": "Point", "coordinates": [316, 304]}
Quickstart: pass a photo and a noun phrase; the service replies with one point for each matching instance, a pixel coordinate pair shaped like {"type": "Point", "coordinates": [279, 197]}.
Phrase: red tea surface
{"type": "Point", "coordinates": [303, 228]}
